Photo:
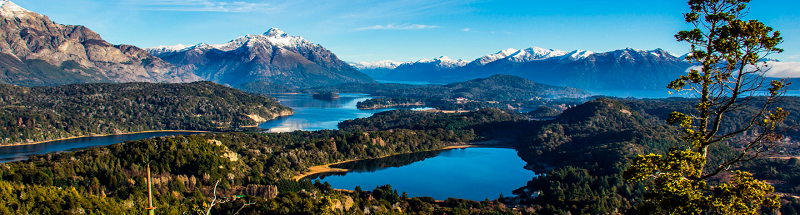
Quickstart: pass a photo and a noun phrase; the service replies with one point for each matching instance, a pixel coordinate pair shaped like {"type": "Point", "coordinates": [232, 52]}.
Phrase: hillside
{"type": "Point", "coordinates": [36, 51]}
{"type": "Point", "coordinates": [582, 151]}
{"type": "Point", "coordinates": [502, 91]}
{"type": "Point", "coordinates": [49, 113]}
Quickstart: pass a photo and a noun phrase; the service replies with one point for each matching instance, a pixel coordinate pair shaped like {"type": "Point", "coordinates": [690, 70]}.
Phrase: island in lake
{"type": "Point", "coordinates": [326, 96]}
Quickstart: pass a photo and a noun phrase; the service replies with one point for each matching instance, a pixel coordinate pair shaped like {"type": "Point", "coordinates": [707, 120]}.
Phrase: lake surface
{"type": "Point", "coordinates": [312, 114]}
{"type": "Point", "coordinates": [471, 173]}
{"type": "Point", "coordinates": [22, 152]}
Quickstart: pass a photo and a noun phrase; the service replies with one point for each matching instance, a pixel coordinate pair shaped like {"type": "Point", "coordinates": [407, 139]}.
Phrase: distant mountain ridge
{"type": "Point", "coordinates": [274, 57]}
{"type": "Point", "coordinates": [620, 69]}
{"type": "Point", "coordinates": [35, 51]}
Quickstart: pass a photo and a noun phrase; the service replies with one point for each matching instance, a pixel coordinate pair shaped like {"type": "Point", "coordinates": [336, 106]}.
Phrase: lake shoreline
{"type": "Point", "coordinates": [101, 135]}
{"type": "Point", "coordinates": [325, 168]}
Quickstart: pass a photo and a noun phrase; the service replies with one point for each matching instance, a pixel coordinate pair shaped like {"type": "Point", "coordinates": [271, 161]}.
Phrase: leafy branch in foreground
{"type": "Point", "coordinates": [729, 78]}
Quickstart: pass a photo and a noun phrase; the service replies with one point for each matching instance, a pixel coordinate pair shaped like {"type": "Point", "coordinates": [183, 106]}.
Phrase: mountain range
{"type": "Point", "coordinates": [274, 57]}
{"type": "Point", "coordinates": [35, 51]}
{"type": "Point", "coordinates": [639, 69]}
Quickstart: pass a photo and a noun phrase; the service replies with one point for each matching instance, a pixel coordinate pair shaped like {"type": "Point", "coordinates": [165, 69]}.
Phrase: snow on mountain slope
{"type": "Point", "coordinates": [493, 57]}
{"type": "Point", "coordinates": [384, 64]}
{"type": "Point", "coordinates": [162, 49]}
{"type": "Point", "coordinates": [9, 9]}
{"type": "Point", "coordinates": [274, 57]}
{"type": "Point", "coordinates": [577, 55]}
{"type": "Point", "coordinates": [445, 62]}
{"type": "Point", "coordinates": [273, 36]}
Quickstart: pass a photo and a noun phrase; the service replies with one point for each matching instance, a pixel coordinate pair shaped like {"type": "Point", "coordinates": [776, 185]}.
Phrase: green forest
{"type": "Point", "coordinates": [111, 179]}
{"type": "Point", "coordinates": [49, 113]}
{"type": "Point", "coordinates": [583, 151]}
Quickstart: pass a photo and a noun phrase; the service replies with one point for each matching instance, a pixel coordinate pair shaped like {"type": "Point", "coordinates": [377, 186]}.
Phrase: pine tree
{"type": "Point", "coordinates": [730, 78]}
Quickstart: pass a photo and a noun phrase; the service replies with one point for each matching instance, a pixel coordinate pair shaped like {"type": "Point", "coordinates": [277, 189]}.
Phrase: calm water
{"type": "Point", "coordinates": [472, 173]}
{"type": "Point", "coordinates": [312, 114]}
{"type": "Point", "coordinates": [16, 153]}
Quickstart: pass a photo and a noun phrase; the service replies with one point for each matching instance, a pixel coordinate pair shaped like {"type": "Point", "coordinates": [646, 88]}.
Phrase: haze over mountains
{"type": "Point", "coordinates": [620, 69]}
{"type": "Point", "coordinates": [273, 56]}
{"type": "Point", "coordinates": [35, 51]}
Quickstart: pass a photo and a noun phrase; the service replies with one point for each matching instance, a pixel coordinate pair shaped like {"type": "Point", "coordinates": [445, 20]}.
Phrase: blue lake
{"type": "Point", "coordinates": [22, 152]}
{"type": "Point", "coordinates": [312, 114]}
{"type": "Point", "coordinates": [471, 173]}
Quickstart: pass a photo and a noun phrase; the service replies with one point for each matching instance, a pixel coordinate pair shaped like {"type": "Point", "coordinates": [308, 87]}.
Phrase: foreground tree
{"type": "Point", "coordinates": [730, 78]}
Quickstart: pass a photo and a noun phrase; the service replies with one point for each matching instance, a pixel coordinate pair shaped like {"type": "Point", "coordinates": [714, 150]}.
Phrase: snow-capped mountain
{"type": "Point", "coordinates": [162, 49]}
{"type": "Point", "coordinates": [423, 66]}
{"type": "Point", "coordinates": [519, 56]}
{"type": "Point", "coordinates": [577, 55]}
{"type": "Point", "coordinates": [442, 62]}
{"type": "Point", "coordinates": [384, 64]}
{"type": "Point", "coordinates": [493, 57]}
{"type": "Point", "coordinates": [376, 69]}
{"type": "Point", "coordinates": [620, 69]}
{"type": "Point", "coordinates": [273, 56]}
{"type": "Point", "coordinates": [36, 51]}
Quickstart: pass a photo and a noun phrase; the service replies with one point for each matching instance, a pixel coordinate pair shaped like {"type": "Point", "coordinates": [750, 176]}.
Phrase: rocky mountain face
{"type": "Point", "coordinates": [620, 69]}
{"type": "Point", "coordinates": [35, 51]}
{"type": "Point", "coordinates": [274, 57]}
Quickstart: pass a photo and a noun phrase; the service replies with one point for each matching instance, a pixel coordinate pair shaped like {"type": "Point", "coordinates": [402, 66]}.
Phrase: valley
{"type": "Point", "coordinates": [273, 123]}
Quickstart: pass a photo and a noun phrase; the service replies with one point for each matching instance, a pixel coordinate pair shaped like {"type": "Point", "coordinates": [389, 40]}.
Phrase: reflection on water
{"type": "Point", "coordinates": [372, 165]}
{"type": "Point", "coordinates": [22, 152]}
{"type": "Point", "coordinates": [312, 114]}
{"type": "Point", "coordinates": [472, 173]}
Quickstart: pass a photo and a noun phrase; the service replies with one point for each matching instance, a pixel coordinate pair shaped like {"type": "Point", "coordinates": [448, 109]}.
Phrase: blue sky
{"type": "Point", "coordinates": [367, 30]}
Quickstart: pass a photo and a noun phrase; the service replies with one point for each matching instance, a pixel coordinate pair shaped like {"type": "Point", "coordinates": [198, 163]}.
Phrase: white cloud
{"type": "Point", "coordinates": [774, 69]}
{"type": "Point", "coordinates": [466, 29]}
{"type": "Point", "coordinates": [783, 69]}
{"type": "Point", "coordinates": [794, 56]}
{"type": "Point", "coordinates": [397, 27]}
{"type": "Point", "coordinates": [203, 5]}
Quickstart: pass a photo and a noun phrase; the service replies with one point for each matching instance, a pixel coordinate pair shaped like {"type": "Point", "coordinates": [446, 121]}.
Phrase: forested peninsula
{"type": "Point", "coordinates": [38, 114]}
{"type": "Point", "coordinates": [583, 150]}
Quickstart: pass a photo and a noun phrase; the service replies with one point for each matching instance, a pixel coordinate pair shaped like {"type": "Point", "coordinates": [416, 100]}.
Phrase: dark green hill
{"type": "Point", "coordinates": [49, 113]}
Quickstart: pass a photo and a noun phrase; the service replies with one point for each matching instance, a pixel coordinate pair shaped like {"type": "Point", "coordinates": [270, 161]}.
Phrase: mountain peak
{"type": "Point", "coordinates": [443, 58]}
{"type": "Point", "coordinates": [9, 9]}
{"type": "Point", "coordinates": [508, 51]}
{"type": "Point", "coordinates": [577, 55]}
{"type": "Point", "coordinates": [274, 32]}
{"type": "Point", "coordinates": [384, 64]}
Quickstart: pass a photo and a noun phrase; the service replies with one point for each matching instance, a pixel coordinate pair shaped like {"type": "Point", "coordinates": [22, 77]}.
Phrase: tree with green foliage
{"type": "Point", "coordinates": [729, 52]}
